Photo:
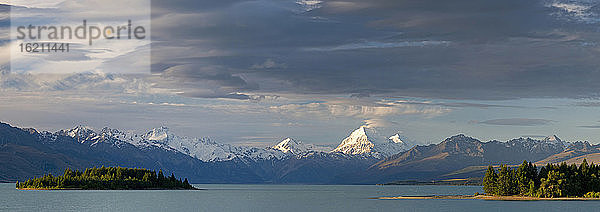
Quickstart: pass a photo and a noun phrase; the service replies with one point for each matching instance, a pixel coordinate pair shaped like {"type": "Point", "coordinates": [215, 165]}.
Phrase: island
{"type": "Point", "coordinates": [528, 183]}
{"type": "Point", "coordinates": [107, 178]}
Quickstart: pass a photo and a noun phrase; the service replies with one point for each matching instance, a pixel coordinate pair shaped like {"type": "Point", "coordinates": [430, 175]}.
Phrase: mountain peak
{"type": "Point", "coordinates": [290, 145]}
{"type": "Point", "coordinates": [80, 131]}
{"type": "Point", "coordinates": [396, 139]}
{"type": "Point", "coordinates": [360, 131]}
{"type": "Point", "coordinates": [365, 140]}
{"type": "Point", "coordinates": [158, 134]}
{"type": "Point", "coordinates": [460, 138]}
{"type": "Point", "coordinates": [552, 138]}
{"type": "Point", "coordinates": [555, 140]}
{"type": "Point", "coordinates": [80, 128]}
{"type": "Point", "coordinates": [356, 143]}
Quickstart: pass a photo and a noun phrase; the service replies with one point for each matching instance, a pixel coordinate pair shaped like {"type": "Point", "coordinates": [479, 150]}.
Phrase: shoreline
{"type": "Point", "coordinates": [492, 198]}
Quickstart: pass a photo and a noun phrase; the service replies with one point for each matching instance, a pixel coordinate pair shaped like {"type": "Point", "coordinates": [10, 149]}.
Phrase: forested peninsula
{"type": "Point", "coordinates": [550, 181]}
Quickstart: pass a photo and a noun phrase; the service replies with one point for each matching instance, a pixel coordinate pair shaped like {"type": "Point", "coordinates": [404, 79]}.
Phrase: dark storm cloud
{"type": "Point", "coordinates": [517, 122]}
{"type": "Point", "coordinates": [463, 49]}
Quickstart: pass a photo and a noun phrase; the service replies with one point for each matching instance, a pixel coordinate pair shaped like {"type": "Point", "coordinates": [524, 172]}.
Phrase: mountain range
{"type": "Point", "coordinates": [364, 157]}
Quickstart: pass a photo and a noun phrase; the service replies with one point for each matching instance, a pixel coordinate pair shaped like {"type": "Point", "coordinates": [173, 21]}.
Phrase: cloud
{"type": "Point", "coordinates": [429, 49]}
{"type": "Point", "coordinates": [206, 82]}
{"type": "Point", "coordinates": [516, 122]}
{"type": "Point", "coordinates": [587, 104]}
{"type": "Point", "coordinates": [268, 64]}
{"type": "Point", "coordinates": [379, 123]}
{"type": "Point", "coordinates": [534, 136]}
{"type": "Point", "coordinates": [376, 45]}
{"type": "Point", "coordinates": [456, 104]}
{"type": "Point", "coordinates": [582, 10]}
{"type": "Point", "coordinates": [98, 84]}
{"type": "Point", "coordinates": [371, 112]}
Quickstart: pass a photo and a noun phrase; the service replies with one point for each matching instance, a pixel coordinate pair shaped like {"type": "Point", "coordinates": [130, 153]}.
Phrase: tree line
{"type": "Point", "coordinates": [109, 178]}
{"type": "Point", "coordinates": [548, 181]}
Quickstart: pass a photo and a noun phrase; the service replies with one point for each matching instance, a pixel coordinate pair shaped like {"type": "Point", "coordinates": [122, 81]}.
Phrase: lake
{"type": "Point", "coordinates": [283, 198]}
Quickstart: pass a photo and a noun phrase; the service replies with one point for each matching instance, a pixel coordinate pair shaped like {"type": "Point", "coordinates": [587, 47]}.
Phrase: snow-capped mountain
{"type": "Point", "coordinates": [295, 147]}
{"type": "Point", "coordinates": [553, 139]}
{"type": "Point", "coordinates": [81, 133]}
{"type": "Point", "coordinates": [550, 143]}
{"type": "Point", "coordinates": [292, 146]}
{"type": "Point", "coordinates": [396, 138]}
{"type": "Point", "coordinates": [204, 148]}
{"type": "Point", "coordinates": [359, 159]}
{"type": "Point", "coordinates": [363, 142]}
{"type": "Point", "coordinates": [86, 135]}
{"type": "Point", "coordinates": [366, 141]}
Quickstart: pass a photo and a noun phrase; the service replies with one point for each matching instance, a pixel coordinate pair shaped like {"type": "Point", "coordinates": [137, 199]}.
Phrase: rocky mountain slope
{"type": "Point", "coordinates": [460, 152]}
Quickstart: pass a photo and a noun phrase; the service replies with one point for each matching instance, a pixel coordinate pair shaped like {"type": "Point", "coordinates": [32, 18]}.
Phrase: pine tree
{"type": "Point", "coordinates": [525, 174]}
{"type": "Point", "coordinates": [161, 176]}
{"type": "Point", "coordinates": [505, 185]}
{"type": "Point", "coordinates": [552, 185]}
{"type": "Point", "coordinates": [532, 189]}
{"type": "Point", "coordinates": [489, 181]}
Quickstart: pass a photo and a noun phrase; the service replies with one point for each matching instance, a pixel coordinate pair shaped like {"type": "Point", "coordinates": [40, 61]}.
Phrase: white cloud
{"type": "Point", "coordinates": [347, 109]}
{"type": "Point", "coordinates": [309, 5]}
{"type": "Point", "coordinates": [379, 45]}
{"type": "Point", "coordinates": [268, 64]}
{"type": "Point", "coordinates": [34, 3]}
{"type": "Point", "coordinates": [378, 123]}
{"type": "Point", "coordinates": [347, 6]}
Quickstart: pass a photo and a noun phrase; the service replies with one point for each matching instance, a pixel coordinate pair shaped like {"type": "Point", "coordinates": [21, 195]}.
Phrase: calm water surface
{"type": "Point", "coordinates": [283, 198]}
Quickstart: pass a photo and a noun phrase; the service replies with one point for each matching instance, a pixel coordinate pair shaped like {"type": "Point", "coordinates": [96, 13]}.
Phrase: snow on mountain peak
{"type": "Point", "coordinates": [203, 149]}
{"type": "Point", "coordinates": [290, 145]}
{"type": "Point", "coordinates": [553, 139]}
{"type": "Point", "coordinates": [396, 139]}
{"type": "Point", "coordinates": [160, 134]}
{"type": "Point", "coordinates": [80, 132]}
{"type": "Point", "coordinates": [356, 143]}
{"type": "Point", "coordinates": [365, 140]}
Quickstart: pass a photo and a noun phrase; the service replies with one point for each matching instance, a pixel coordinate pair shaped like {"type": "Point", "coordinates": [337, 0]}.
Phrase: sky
{"type": "Point", "coordinates": [252, 72]}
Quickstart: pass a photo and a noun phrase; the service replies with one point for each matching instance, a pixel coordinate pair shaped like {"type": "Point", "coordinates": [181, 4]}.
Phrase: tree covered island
{"type": "Point", "coordinates": [551, 181]}
{"type": "Point", "coordinates": [107, 178]}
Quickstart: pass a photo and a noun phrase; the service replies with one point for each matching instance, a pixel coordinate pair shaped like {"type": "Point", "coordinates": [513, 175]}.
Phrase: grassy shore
{"type": "Point", "coordinates": [484, 197]}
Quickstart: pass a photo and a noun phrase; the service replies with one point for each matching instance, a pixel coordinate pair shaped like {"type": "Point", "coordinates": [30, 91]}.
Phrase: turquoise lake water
{"type": "Point", "coordinates": [283, 198]}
